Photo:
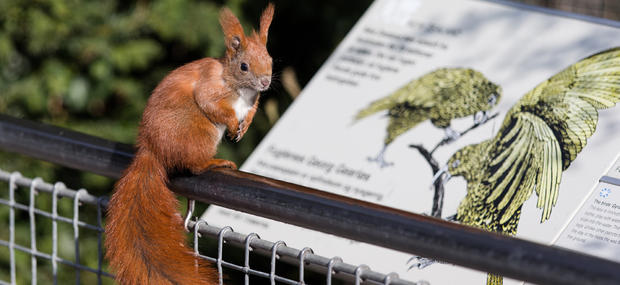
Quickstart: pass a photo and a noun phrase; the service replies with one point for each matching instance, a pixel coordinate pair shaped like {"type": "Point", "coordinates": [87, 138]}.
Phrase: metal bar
{"type": "Point", "coordinates": [57, 186]}
{"type": "Point", "coordinates": [49, 257]}
{"type": "Point", "coordinates": [49, 215]}
{"type": "Point", "coordinates": [76, 231]}
{"type": "Point", "coordinates": [65, 147]}
{"type": "Point", "coordinates": [12, 186]}
{"type": "Point", "coordinates": [280, 250]}
{"type": "Point", "coordinates": [99, 240]}
{"type": "Point", "coordinates": [326, 212]}
{"type": "Point", "coordinates": [610, 180]}
{"type": "Point", "coordinates": [49, 188]}
{"type": "Point", "coordinates": [33, 229]}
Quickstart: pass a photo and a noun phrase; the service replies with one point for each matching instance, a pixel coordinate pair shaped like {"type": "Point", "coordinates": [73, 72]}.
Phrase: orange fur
{"type": "Point", "coordinates": [181, 127]}
{"type": "Point", "coordinates": [265, 21]}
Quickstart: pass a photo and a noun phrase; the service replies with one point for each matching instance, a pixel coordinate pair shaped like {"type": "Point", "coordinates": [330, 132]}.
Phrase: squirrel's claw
{"type": "Point", "coordinates": [239, 134]}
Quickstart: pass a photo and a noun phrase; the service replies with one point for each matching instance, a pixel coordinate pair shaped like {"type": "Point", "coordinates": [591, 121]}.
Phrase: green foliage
{"type": "Point", "coordinates": [90, 65]}
{"type": "Point", "coordinates": [61, 66]}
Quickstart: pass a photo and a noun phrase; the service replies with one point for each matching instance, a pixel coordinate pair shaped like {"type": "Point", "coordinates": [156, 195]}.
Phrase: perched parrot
{"type": "Point", "coordinates": [441, 96]}
{"type": "Point", "coordinates": [539, 138]}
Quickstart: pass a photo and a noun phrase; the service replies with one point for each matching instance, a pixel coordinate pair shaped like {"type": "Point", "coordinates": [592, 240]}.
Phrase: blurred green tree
{"type": "Point", "coordinates": [91, 65]}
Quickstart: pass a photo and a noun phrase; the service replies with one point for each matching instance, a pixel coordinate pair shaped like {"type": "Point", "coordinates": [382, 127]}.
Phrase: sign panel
{"type": "Point", "coordinates": [420, 72]}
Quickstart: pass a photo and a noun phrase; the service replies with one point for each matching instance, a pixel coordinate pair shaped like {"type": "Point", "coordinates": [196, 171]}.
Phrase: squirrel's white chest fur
{"type": "Point", "coordinates": [242, 106]}
{"type": "Point", "coordinates": [244, 103]}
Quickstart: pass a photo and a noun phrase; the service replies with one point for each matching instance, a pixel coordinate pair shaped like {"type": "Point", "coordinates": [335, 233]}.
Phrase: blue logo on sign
{"type": "Point", "coordinates": [604, 192]}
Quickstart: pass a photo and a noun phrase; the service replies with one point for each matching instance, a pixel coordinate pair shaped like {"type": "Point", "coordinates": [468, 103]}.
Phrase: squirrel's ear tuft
{"type": "Point", "coordinates": [233, 31]}
{"type": "Point", "coordinates": [265, 22]}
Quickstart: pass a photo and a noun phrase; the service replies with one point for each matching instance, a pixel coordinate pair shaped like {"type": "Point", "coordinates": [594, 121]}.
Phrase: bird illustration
{"type": "Point", "coordinates": [539, 138]}
{"type": "Point", "coordinates": [441, 96]}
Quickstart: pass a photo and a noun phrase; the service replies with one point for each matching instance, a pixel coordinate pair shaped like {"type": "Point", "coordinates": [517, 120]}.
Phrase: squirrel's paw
{"type": "Point", "coordinates": [243, 127]}
{"type": "Point", "coordinates": [238, 136]}
{"type": "Point", "coordinates": [213, 163]}
{"type": "Point", "coordinates": [222, 163]}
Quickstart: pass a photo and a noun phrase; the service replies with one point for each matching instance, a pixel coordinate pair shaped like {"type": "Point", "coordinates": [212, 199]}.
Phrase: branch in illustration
{"type": "Point", "coordinates": [439, 190]}
{"type": "Point", "coordinates": [474, 126]}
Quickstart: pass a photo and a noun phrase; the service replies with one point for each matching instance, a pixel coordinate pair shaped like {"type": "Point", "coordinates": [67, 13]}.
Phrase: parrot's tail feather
{"type": "Point", "coordinates": [493, 279]}
{"type": "Point", "coordinates": [374, 107]}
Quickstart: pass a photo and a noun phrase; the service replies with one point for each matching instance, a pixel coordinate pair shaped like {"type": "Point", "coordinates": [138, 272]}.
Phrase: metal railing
{"type": "Point", "coordinates": [276, 251]}
{"type": "Point", "coordinates": [314, 209]}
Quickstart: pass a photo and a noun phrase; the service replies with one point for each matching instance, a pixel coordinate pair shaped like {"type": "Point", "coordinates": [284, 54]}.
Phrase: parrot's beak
{"type": "Point", "coordinates": [440, 173]}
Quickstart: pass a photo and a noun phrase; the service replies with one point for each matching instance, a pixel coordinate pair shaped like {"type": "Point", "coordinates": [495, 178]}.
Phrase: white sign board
{"type": "Point", "coordinates": [317, 143]}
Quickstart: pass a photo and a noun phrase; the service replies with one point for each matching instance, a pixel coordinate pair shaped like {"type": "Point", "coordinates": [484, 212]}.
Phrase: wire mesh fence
{"type": "Point", "coordinates": [29, 220]}
{"type": "Point", "coordinates": [74, 220]}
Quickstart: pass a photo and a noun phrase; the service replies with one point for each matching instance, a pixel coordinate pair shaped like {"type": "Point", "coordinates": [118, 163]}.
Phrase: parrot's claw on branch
{"type": "Point", "coordinates": [419, 262]}
{"type": "Point", "coordinates": [380, 159]}
{"type": "Point", "coordinates": [451, 218]}
{"type": "Point", "coordinates": [451, 135]}
{"type": "Point", "coordinates": [480, 117]}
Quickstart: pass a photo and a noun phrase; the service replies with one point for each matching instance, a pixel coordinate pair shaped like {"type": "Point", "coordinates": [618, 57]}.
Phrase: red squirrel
{"type": "Point", "coordinates": [183, 122]}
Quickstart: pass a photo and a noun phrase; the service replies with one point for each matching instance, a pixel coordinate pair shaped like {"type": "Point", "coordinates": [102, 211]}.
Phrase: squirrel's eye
{"type": "Point", "coordinates": [244, 66]}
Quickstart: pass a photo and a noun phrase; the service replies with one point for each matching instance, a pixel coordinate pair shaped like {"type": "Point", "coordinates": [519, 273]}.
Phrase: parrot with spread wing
{"type": "Point", "coordinates": [540, 136]}
{"type": "Point", "coordinates": [441, 96]}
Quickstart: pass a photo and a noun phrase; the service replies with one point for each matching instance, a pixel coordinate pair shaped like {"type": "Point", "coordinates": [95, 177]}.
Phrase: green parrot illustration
{"type": "Point", "coordinates": [540, 136]}
{"type": "Point", "coordinates": [441, 96]}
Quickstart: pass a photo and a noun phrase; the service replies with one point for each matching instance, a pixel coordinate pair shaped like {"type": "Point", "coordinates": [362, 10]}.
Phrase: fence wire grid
{"type": "Point", "coordinates": [55, 262]}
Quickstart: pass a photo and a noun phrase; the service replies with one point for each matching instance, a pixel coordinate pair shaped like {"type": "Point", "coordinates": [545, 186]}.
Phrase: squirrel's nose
{"type": "Point", "coordinates": [264, 82]}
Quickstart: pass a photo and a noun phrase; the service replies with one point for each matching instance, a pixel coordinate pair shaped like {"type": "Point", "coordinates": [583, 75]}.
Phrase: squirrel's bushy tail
{"type": "Point", "coordinates": [145, 239]}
